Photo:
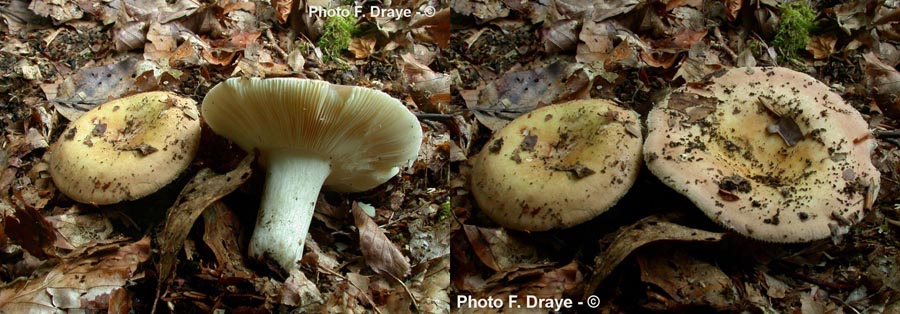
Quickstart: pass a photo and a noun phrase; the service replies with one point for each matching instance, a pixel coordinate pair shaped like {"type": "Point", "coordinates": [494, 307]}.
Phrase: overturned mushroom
{"type": "Point", "coordinates": [558, 166]}
{"type": "Point", "coordinates": [768, 152]}
{"type": "Point", "coordinates": [126, 149]}
{"type": "Point", "coordinates": [310, 133]}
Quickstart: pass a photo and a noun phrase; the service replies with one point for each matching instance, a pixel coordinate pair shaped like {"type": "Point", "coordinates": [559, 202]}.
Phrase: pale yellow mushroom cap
{"type": "Point", "coordinates": [770, 153]}
{"type": "Point", "coordinates": [365, 134]}
{"type": "Point", "coordinates": [558, 166]}
{"type": "Point", "coordinates": [127, 148]}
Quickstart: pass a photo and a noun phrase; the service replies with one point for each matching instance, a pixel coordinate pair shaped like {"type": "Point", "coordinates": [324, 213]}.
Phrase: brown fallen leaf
{"type": "Point", "coordinates": [83, 281]}
{"type": "Point", "coordinates": [221, 230]}
{"type": "Point", "coordinates": [29, 229]}
{"type": "Point", "coordinates": [59, 10]}
{"type": "Point", "coordinates": [541, 281]}
{"type": "Point", "coordinates": [821, 46]}
{"type": "Point", "coordinates": [362, 47]}
{"type": "Point", "coordinates": [686, 281]}
{"type": "Point", "coordinates": [516, 93]}
{"type": "Point", "coordinates": [628, 239]}
{"type": "Point", "coordinates": [90, 87]}
{"type": "Point", "coordinates": [381, 255]}
{"type": "Point", "coordinates": [884, 82]}
{"type": "Point", "coordinates": [204, 188]}
{"type": "Point", "coordinates": [498, 250]}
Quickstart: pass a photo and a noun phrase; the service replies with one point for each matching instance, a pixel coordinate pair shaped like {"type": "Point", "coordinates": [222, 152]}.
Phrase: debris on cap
{"type": "Point", "coordinates": [558, 166]}
{"type": "Point", "coordinates": [126, 149]}
{"type": "Point", "coordinates": [770, 153]}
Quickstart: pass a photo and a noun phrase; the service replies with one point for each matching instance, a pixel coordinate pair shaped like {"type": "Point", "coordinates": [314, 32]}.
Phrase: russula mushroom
{"type": "Point", "coordinates": [558, 166]}
{"type": "Point", "coordinates": [770, 153]}
{"type": "Point", "coordinates": [310, 133]}
{"type": "Point", "coordinates": [126, 149]}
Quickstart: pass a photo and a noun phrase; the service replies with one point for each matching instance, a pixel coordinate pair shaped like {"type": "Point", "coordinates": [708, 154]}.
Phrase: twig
{"type": "Point", "coordinates": [887, 134]}
{"type": "Point", "coordinates": [434, 116]}
{"type": "Point", "coordinates": [824, 283]}
{"type": "Point", "coordinates": [333, 273]}
{"type": "Point", "coordinates": [845, 304]}
{"type": "Point", "coordinates": [274, 44]}
{"type": "Point", "coordinates": [411, 297]}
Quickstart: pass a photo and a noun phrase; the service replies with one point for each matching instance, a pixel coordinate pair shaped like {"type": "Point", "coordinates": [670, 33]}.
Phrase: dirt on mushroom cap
{"type": "Point", "coordinates": [127, 148]}
{"type": "Point", "coordinates": [558, 166]}
{"type": "Point", "coordinates": [768, 152]}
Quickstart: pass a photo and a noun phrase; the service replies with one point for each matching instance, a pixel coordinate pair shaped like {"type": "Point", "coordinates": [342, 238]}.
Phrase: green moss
{"type": "Point", "coordinates": [337, 35]}
{"type": "Point", "coordinates": [797, 21]}
{"type": "Point", "coordinates": [445, 210]}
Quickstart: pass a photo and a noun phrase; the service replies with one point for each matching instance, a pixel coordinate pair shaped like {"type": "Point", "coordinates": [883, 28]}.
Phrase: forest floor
{"type": "Point", "coordinates": [59, 59]}
{"type": "Point", "coordinates": [655, 251]}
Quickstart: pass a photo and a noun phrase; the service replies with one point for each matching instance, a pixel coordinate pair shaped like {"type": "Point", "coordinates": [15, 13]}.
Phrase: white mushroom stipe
{"type": "Point", "coordinates": [310, 134]}
{"type": "Point", "coordinates": [293, 182]}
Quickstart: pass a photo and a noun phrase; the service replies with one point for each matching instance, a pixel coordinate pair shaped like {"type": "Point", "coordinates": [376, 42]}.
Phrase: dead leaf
{"type": "Point", "coordinates": [298, 290]}
{"type": "Point", "coordinates": [732, 8]}
{"type": "Point", "coordinates": [381, 255]}
{"type": "Point", "coordinates": [516, 93]}
{"type": "Point", "coordinates": [18, 17]}
{"type": "Point", "coordinates": [79, 228]}
{"type": "Point", "coordinates": [430, 287]}
{"type": "Point", "coordinates": [686, 281]}
{"type": "Point", "coordinates": [80, 282]}
{"type": "Point", "coordinates": [561, 36]}
{"type": "Point", "coordinates": [482, 10]}
{"type": "Point", "coordinates": [821, 46]}
{"type": "Point", "coordinates": [90, 87]}
{"type": "Point", "coordinates": [430, 89]}
{"type": "Point", "coordinates": [221, 231]}
{"type": "Point", "coordinates": [362, 47]}
{"type": "Point", "coordinates": [499, 250]}
{"type": "Point", "coordinates": [29, 229]}
{"type": "Point", "coordinates": [434, 29]}
{"type": "Point", "coordinates": [541, 281]}
{"type": "Point", "coordinates": [204, 188]}
{"type": "Point", "coordinates": [59, 10]}
{"type": "Point", "coordinates": [788, 129]}
{"type": "Point", "coordinates": [628, 239]}
{"type": "Point", "coordinates": [884, 81]}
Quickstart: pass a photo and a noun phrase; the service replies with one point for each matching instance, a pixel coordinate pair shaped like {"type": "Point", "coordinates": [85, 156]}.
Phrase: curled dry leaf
{"type": "Point", "coordinates": [686, 281]}
{"type": "Point", "coordinates": [380, 254]}
{"type": "Point", "coordinates": [541, 281]}
{"type": "Point", "coordinates": [204, 188]}
{"type": "Point", "coordinates": [83, 281]}
{"type": "Point", "coordinates": [884, 81]}
{"type": "Point", "coordinates": [29, 229]}
{"type": "Point", "coordinates": [647, 230]}
{"type": "Point", "coordinates": [498, 250]}
{"type": "Point", "coordinates": [221, 230]}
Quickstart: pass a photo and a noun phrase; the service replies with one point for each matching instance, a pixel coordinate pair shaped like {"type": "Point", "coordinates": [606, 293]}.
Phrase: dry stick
{"type": "Point", "coordinates": [887, 134]}
{"type": "Point", "coordinates": [333, 273]}
{"type": "Point", "coordinates": [411, 297]}
{"type": "Point", "coordinates": [274, 44]}
{"type": "Point", "coordinates": [845, 304]}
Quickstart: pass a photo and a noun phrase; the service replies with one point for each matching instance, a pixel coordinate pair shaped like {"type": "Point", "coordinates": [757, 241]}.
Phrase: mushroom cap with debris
{"type": "Point", "coordinates": [127, 148]}
{"type": "Point", "coordinates": [558, 166]}
{"type": "Point", "coordinates": [770, 153]}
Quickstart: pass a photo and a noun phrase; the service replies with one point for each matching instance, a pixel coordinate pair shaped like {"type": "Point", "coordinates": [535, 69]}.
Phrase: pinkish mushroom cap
{"type": "Point", "coordinates": [770, 153]}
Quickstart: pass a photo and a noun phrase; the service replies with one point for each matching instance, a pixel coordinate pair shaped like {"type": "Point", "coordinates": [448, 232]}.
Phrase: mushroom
{"type": "Point", "coordinates": [126, 149]}
{"type": "Point", "coordinates": [770, 153]}
{"type": "Point", "coordinates": [310, 133]}
{"type": "Point", "coordinates": [558, 166]}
